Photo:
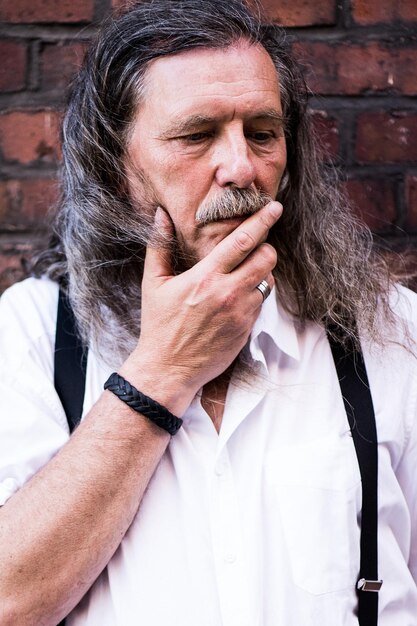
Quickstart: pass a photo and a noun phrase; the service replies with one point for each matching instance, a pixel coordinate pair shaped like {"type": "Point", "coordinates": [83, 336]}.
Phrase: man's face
{"type": "Point", "coordinates": [210, 121]}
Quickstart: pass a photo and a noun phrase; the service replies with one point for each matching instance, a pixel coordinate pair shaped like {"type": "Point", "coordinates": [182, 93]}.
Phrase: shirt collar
{"type": "Point", "coordinates": [279, 325]}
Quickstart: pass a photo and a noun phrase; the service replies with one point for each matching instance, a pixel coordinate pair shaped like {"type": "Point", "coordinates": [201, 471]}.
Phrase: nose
{"type": "Point", "coordinates": [234, 160]}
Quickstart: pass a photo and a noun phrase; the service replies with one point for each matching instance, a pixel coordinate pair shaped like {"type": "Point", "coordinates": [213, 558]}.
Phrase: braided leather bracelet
{"type": "Point", "coordinates": [154, 411]}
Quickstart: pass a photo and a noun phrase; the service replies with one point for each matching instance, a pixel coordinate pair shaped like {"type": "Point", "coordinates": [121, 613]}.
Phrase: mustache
{"type": "Point", "coordinates": [234, 202]}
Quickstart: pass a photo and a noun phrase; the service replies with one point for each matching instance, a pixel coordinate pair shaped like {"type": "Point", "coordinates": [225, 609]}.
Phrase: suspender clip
{"type": "Point", "coordinates": [369, 585]}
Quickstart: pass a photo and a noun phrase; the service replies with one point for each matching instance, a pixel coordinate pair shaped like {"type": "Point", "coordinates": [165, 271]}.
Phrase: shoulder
{"type": "Point", "coordinates": [28, 318]}
{"type": "Point", "coordinates": [403, 303]}
{"type": "Point", "coordinates": [37, 297]}
{"type": "Point", "coordinates": [33, 425]}
{"type": "Point", "coordinates": [39, 293]}
{"type": "Point", "coordinates": [392, 373]}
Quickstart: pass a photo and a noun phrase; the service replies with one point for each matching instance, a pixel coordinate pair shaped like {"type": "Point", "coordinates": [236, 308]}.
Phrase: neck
{"type": "Point", "coordinates": [214, 397]}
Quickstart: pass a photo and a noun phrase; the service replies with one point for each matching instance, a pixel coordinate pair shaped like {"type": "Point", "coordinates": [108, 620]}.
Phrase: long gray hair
{"type": "Point", "coordinates": [327, 271]}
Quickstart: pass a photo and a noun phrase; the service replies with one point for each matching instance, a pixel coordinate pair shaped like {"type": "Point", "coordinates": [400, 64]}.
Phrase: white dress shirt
{"type": "Point", "coordinates": [258, 525]}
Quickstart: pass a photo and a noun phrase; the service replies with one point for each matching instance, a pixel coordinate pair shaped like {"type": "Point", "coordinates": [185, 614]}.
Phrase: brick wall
{"type": "Point", "coordinates": [360, 58]}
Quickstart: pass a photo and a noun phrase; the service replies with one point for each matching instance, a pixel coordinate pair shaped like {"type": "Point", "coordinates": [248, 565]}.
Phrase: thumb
{"type": "Point", "coordinates": [158, 252]}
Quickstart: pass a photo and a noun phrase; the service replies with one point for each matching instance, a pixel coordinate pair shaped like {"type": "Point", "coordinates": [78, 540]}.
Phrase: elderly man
{"type": "Point", "coordinates": [207, 261]}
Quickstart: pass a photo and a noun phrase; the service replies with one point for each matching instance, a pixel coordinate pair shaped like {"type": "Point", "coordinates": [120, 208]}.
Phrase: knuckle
{"type": "Point", "coordinates": [228, 300]}
{"type": "Point", "coordinates": [265, 257]}
{"type": "Point", "coordinates": [204, 283]}
{"type": "Point", "coordinates": [269, 254]}
{"type": "Point", "coordinates": [201, 290]}
{"type": "Point", "coordinates": [244, 242]}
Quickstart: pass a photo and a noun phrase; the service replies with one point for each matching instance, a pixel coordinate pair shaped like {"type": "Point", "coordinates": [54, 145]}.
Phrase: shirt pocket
{"type": "Point", "coordinates": [315, 496]}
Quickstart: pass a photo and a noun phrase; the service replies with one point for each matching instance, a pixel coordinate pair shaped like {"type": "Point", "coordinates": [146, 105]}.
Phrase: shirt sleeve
{"type": "Point", "coordinates": [405, 305]}
{"type": "Point", "coordinates": [407, 477]}
{"type": "Point", "coordinates": [33, 425]}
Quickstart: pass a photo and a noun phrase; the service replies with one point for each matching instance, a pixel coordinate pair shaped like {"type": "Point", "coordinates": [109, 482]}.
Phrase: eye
{"type": "Point", "coordinates": [261, 136]}
{"type": "Point", "coordinates": [195, 137]}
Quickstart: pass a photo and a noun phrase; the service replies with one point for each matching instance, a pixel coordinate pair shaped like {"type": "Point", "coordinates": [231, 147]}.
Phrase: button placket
{"type": "Point", "coordinates": [232, 579]}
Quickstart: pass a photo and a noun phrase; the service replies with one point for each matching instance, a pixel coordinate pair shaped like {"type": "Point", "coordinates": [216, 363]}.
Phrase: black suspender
{"type": "Point", "coordinates": [70, 369]}
{"type": "Point", "coordinates": [357, 398]}
{"type": "Point", "coordinates": [70, 363]}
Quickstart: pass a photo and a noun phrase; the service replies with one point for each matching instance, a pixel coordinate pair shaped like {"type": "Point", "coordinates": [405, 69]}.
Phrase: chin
{"type": "Point", "coordinates": [186, 256]}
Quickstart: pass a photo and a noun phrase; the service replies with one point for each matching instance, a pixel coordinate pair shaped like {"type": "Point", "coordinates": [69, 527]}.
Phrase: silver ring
{"type": "Point", "coordinates": [264, 288]}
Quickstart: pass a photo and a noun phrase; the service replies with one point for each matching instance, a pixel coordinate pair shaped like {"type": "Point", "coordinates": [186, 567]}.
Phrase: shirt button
{"type": "Point", "coordinates": [220, 468]}
{"type": "Point", "coordinates": [230, 557]}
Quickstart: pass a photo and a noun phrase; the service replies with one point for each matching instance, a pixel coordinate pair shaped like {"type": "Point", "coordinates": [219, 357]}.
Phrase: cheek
{"type": "Point", "coordinates": [171, 174]}
{"type": "Point", "coordinates": [271, 178]}
{"type": "Point", "coordinates": [274, 169]}
{"type": "Point", "coordinates": [184, 187]}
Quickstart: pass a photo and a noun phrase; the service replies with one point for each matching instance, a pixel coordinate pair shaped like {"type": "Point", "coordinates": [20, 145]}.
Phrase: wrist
{"type": "Point", "coordinates": [163, 384]}
{"type": "Point", "coordinates": [143, 404]}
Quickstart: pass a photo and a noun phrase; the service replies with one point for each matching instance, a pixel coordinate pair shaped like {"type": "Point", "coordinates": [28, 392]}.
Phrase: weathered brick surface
{"type": "Point", "coordinates": [12, 65]}
{"type": "Point", "coordinates": [26, 137]}
{"type": "Point", "coordinates": [347, 69]}
{"type": "Point", "coordinates": [371, 11]}
{"type": "Point", "coordinates": [374, 202]}
{"type": "Point", "coordinates": [326, 128]}
{"type": "Point", "coordinates": [119, 4]}
{"type": "Point", "coordinates": [301, 12]}
{"type": "Point", "coordinates": [286, 12]}
{"type": "Point", "coordinates": [25, 11]}
{"type": "Point", "coordinates": [25, 203]}
{"type": "Point", "coordinates": [411, 200]}
{"type": "Point", "coordinates": [13, 262]}
{"type": "Point", "coordinates": [386, 137]}
{"type": "Point", "coordinates": [59, 62]}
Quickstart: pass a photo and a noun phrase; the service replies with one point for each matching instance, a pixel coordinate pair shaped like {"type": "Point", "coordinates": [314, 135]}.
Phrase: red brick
{"type": "Point", "coordinates": [120, 4]}
{"type": "Point", "coordinates": [13, 261]}
{"type": "Point", "coordinates": [386, 137]}
{"type": "Point", "coordinates": [301, 12]}
{"type": "Point", "coordinates": [27, 137]}
{"type": "Point", "coordinates": [374, 202]}
{"type": "Point", "coordinates": [14, 257]}
{"type": "Point", "coordinates": [12, 66]}
{"type": "Point", "coordinates": [327, 131]}
{"type": "Point", "coordinates": [411, 201]}
{"type": "Point", "coordinates": [59, 63]}
{"type": "Point", "coordinates": [285, 12]}
{"type": "Point", "coordinates": [349, 69]}
{"type": "Point", "coordinates": [25, 203]}
{"type": "Point", "coordinates": [371, 12]}
{"type": "Point", "coordinates": [33, 11]}
{"type": "Point", "coordinates": [11, 268]}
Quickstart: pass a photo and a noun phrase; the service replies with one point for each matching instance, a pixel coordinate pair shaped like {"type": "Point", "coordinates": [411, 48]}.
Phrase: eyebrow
{"type": "Point", "coordinates": [183, 126]}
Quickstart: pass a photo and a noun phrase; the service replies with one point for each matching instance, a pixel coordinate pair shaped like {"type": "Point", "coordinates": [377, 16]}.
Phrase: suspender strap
{"type": "Point", "coordinates": [70, 363]}
{"type": "Point", "coordinates": [357, 398]}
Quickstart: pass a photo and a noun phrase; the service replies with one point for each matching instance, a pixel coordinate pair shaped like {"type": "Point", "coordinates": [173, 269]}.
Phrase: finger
{"type": "Point", "coordinates": [234, 248]}
{"type": "Point", "coordinates": [264, 287]}
{"type": "Point", "coordinates": [258, 265]}
{"type": "Point", "coordinates": [158, 261]}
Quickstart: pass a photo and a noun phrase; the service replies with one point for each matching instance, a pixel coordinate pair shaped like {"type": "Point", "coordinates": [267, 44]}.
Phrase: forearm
{"type": "Point", "coordinates": [61, 529]}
